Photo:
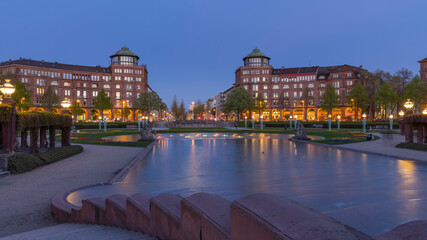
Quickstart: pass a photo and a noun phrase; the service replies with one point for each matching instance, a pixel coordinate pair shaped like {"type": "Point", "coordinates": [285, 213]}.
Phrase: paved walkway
{"type": "Point", "coordinates": [386, 146]}
{"type": "Point", "coordinates": [25, 198]}
{"type": "Point", "coordinates": [80, 232]}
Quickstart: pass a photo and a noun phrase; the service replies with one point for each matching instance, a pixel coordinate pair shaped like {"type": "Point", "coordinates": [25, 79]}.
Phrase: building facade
{"type": "Point", "coordinates": [423, 70]}
{"type": "Point", "coordinates": [124, 80]}
{"type": "Point", "coordinates": [296, 91]}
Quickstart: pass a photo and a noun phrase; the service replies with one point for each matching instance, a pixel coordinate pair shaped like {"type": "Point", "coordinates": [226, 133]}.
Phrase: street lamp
{"type": "Point", "coordinates": [329, 122]}
{"type": "Point", "coordinates": [99, 118]}
{"type": "Point", "coordinates": [290, 122]}
{"type": "Point", "coordinates": [295, 118]}
{"type": "Point", "coordinates": [246, 122]}
{"type": "Point", "coordinates": [338, 121]}
{"type": "Point", "coordinates": [66, 103]}
{"type": "Point", "coordinates": [425, 111]}
{"type": "Point", "coordinates": [139, 122]}
{"type": "Point", "coordinates": [7, 88]}
{"type": "Point", "coordinates": [105, 124]}
{"type": "Point", "coordinates": [364, 122]}
{"type": "Point", "coordinates": [391, 122]}
{"type": "Point", "coordinates": [408, 105]}
{"type": "Point", "coordinates": [123, 111]}
{"type": "Point", "coordinates": [401, 113]}
{"type": "Point", "coordinates": [262, 127]}
{"type": "Point", "coordinates": [253, 121]}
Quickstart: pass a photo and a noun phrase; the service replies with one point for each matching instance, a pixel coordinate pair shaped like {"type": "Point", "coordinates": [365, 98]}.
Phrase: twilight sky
{"type": "Point", "coordinates": [193, 47]}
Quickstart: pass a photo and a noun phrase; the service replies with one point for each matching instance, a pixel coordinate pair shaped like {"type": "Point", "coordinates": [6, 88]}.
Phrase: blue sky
{"type": "Point", "coordinates": [193, 47]}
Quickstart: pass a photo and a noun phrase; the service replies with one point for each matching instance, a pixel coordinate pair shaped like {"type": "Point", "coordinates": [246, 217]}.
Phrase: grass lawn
{"type": "Point", "coordinates": [95, 137]}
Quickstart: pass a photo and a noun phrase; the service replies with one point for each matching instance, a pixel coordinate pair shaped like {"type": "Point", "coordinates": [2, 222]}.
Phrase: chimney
{"type": "Point", "coordinates": [20, 58]}
{"type": "Point", "coordinates": [42, 60]}
{"type": "Point", "coordinates": [10, 60]}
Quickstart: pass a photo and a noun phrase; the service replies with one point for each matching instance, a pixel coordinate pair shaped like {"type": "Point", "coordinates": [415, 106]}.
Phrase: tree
{"type": "Point", "coordinates": [329, 99]}
{"type": "Point", "coordinates": [358, 98]}
{"type": "Point", "coordinates": [238, 101]}
{"type": "Point", "coordinates": [259, 104]}
{"type": "Point", "coordinates": [398, 83]}
{"type": "Point", "coordinates": [416, 91]}
{"type": "Point", "coordinates": [22, 96]}
{"type": "Point", "coordinates": [175, 108]}
{"type": "Point", "coordinates": [198, 108]}
{"type": "Point", "coordinates": [102, 102]}
{"type": "Point", "coordinates": [49, 98]}
{"type": "Point", "coordinates": [182, 109]}
{"type": "Point", "coordinates": [385, 98]}
{"type": "Point", "coordinates": [126, 112]}
{"type": "Point", "coordinates": [76, 110]}
{"type": "Point", "coordinates": [147, 102]}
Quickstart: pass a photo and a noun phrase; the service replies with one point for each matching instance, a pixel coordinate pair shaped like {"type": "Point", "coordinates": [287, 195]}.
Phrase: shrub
{"type": "Point", "coordinates": [413, 146]}
{"type": "Point", "coordinates": [57, 154]}
{"type": "Point", "coordinates": [21, 162]}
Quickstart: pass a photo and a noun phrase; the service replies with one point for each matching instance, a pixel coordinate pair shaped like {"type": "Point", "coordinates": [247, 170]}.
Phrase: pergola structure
{"type": "Point", "coordinates": [418, 121]}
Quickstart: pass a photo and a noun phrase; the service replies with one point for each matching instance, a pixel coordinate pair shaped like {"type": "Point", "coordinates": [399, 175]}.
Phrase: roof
{"type": "Point", "coordinates": [124, 52]}
{"type": "Point", "coordinates": [424, 60]}
{"type": "Point", "coordinates": [256, 53]}
{"type": "Point", "coordinates": [55, 65]}
{"type": "Point", "coordinates": [315, 70]}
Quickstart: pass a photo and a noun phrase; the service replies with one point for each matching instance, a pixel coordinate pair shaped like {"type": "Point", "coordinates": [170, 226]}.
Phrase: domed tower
{"type": "Point", "coordinates": [124, 57]}
{"type": "Point", "coordinates": [256, 59]}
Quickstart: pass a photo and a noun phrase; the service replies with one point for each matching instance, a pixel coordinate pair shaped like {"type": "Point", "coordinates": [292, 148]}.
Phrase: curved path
{"type": "Point", "coordinates": [25, 198]}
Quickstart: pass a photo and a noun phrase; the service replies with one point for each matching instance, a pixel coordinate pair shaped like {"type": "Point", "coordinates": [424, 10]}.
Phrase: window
{"type": "Point", "coordinates": [138, 87]}
{"type": "Point", "coordinates": [286, 86]}
{"type": "Point", "coordinates": [321, 93]}
{"type": "Point", "coordinates": [348, 74]}
{"type": "Point", "coordinates": [117, 86]}
{"type": "Point", "coordinates": [67, 92]}
{"type": "Point", "coordinates": [40, 82]}
{"type": "Point", "coordinates": [285, 94]}
{"type": "Point", "coordinates": [264, 79]}
{"type": "Point", "coordinates": [106, 85]}
{"type": "Point", "coordinates": [311, 85]}
{"type": "Point", "coordinates": [245, 72]}
{"type": "Point", "coordinates": [255, 88]}
{"type": "Point", "coordinates": [138, 79]}
{"type": "Point", "coordinates": [95, 93]}
{"type": "Point", "coordinates": [117, 95]}
{"type": "Point", "coordinates": [275, 86]}
{"type": "Point", "coordinates": [40, 91]}
{"type": "Point", "coordinates": [67, 84]}
{"type": "Point", "coordinates": [128, 94]}
{"type": "Point", "coordinates": [246, 87]}
{"type": "Point", "coordinates": [245, 79]}
{"type": "Point", "coordinates": [24, 80]}
{"type": "Point", "coordinates": [94, 85]}
{"type": "Point", "coordinates": [322, 85]}
{"type": "Point", "coordinates": [336, 84]}
{"type": "Point", "coordinates": [275, 95]}
{"type": "Point", "coordinates": [337, 92]}
{"type": "Point", "coordinates": [84, 94]}
{"type": "Point", "coordinates": [118, 78]}
{"type": "Point", "coordinates": [295, 85]}
{"type": "Point", "coordinates": [295, 94]}
{"type": "Point", "coordinates": [300, 85]}
{"type": "Point", "coordinates": [54, 83]}
{"type": "Point", "coordinates": [349, 82]}
{"type": "Point", "coordinates": [265, 95]}
{"type": "Point", "coordinates": [335, 75]}
{"type": "Point", "coordinates": [78, 93]}
{"type": "Point", "coordinates": [128, 87]}
{"type": "Point", "coordinates": [84, 85]}
{"type": "Point", "coordinates": [310, 93]}
{"type": "Point", "coordinates": [265, 87]}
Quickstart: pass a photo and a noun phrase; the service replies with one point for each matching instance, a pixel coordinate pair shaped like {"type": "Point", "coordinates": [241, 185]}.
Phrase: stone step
{"type": "Point", "coordinates": [78, 231]}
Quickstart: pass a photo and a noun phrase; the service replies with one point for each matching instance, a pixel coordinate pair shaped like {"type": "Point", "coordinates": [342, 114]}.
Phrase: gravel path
{"type": "Point", "coordinates": [25, 198]}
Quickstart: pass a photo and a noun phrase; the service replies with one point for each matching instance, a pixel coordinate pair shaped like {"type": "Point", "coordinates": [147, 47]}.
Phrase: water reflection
{"type": "Point", "coordinates": [369, 192]}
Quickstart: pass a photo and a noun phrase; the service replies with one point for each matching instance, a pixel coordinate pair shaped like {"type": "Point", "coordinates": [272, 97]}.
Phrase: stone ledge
{"type": "Point", "coordinates": [115, 211]}
{"type": "Point", "coordinates": [165, 219]}
{"type": "Point", "coordinates": [138, 213]}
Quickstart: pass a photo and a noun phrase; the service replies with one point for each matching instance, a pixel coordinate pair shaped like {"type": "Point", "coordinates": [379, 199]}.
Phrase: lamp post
{"type": "Point", "coordinates": [364, 122]}
{"type": "Point", "coordinates": [425, 111]}
{"type": "Point", "coordinates": [401, 113]}
{"type": "Point", "coordinates": [295, 120]}
{"type": "Point", "coordinates": [391, 122]}
{"type": "Point", "coordinates": [338, 121]}
{"type": "Point", "coordinates": [105, 124]}
{"type": "Point", "coordinates": [7, 89]}
{"type": "Point", "coordinates": [139, 122]}
{"type": "Point", "coordinates": [123, 111]}
{"type": "Point", "coordinates": [253, 121]}
{"type": "Point", "coordinates": [290, 122]}
{"type": "Point", "coordinates": [329, 122]}
{"type": "Point", "coordinates": [246, 122]}
{"type": "Point", "coordinates": [408, 105]}
{"type": "Point", "coordinates": [99, 118]}
{"type": "Point", "coordinates": [262, 127]}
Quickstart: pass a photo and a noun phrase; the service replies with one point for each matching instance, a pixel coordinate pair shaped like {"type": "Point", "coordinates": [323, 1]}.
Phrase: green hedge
{"type": "Point", "coordinates": [43, 119]}
{"type": "Point", "coordinates": [324, 123]}
{"type": "Point", "coordinates": [21, 162]}
{"type": "Point", "coordinates": [95, 125]}
{"type": "Point", "coordinates": [413, 146]}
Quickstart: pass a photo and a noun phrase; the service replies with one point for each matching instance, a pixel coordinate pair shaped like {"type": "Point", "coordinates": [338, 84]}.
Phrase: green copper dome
{"type": "Point", "coordinates": [256, 53]}
{"type": "Point", "coordinates": [124, 52]}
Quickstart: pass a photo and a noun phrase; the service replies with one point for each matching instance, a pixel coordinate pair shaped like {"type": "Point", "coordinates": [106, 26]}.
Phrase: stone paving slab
{"type": "Point", "coordinates": [25, 198]}
{"type": "Point", "coordinates": [79, 231]}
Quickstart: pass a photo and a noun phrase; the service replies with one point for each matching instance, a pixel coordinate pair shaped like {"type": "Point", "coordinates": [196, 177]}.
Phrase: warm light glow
{"type": "Point", "coordinates": [391, 116]}
{"type": "Point", "coordinates": [66, 103]}
{"type": "Point", "coordinates": [408, 104]}
{"type": "Point", "coordinates": [329, 116]}
{"type": "Point", "coordinates": [290, 117]}
{"type": "Point", "coordinates": [99, 117]}
{"type": "Point", "coordinates": [295, 116]}
{"type": "Point", "coordinates": [262, 117]}
{"type": "Point", "coordinates": [7, 88]}
{"type": "Point", "coordinates": [364, 115]}
{"type": "Point", "coordinates": [425, 111]}
{"type": "Point", "coordinates": [401, 113]}
{"type": "Point", "coordinates": [246, 117]}
{"type": "Point", "coordinates": [339, 117]}
{"type": "Point", "coordinates": [1, 99]}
